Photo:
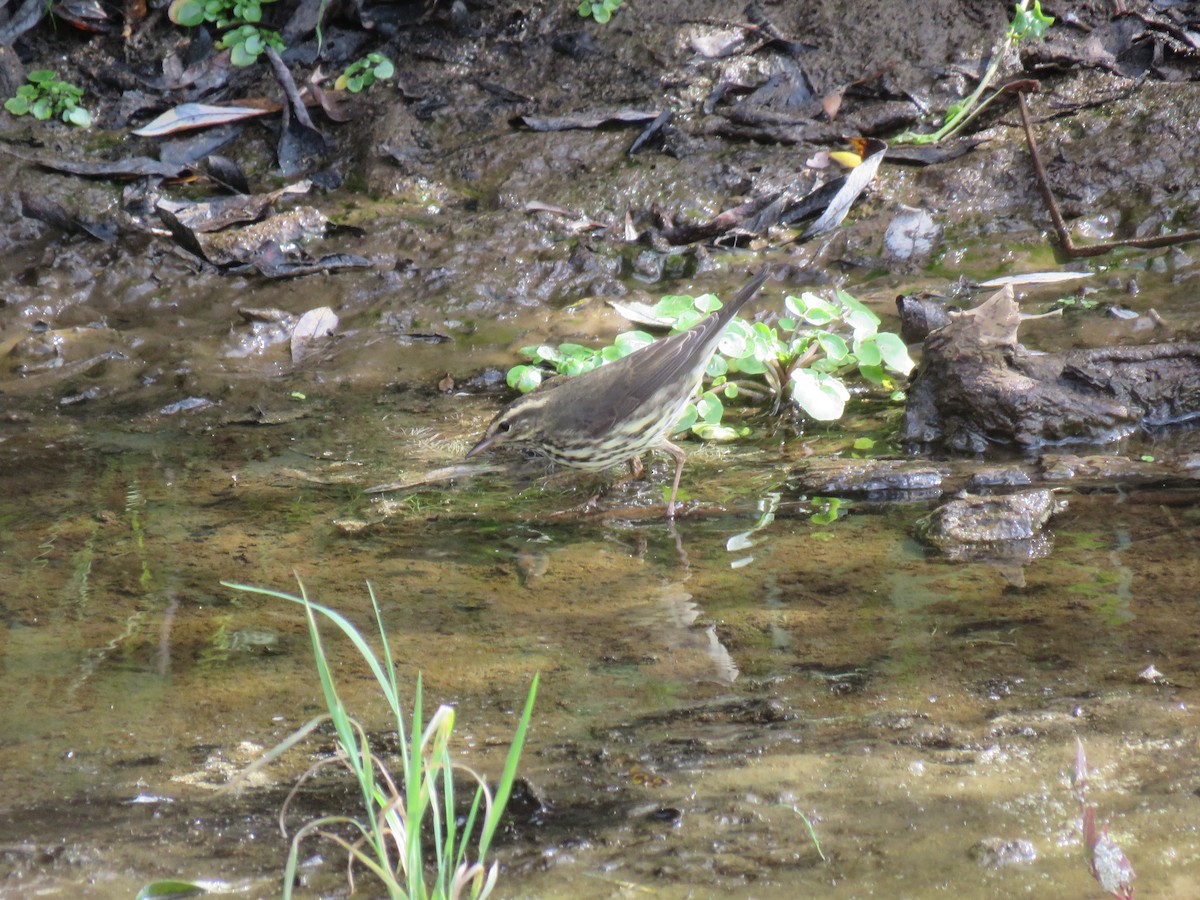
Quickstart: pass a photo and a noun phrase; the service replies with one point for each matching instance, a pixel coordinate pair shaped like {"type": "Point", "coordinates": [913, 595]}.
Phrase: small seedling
{"type": "Point", "coordinates": [829, 510]}
{"type": "Point", "coordinates": [1075, 302]}
{"type": "Point", "coordinates": [245, 40]}
{"type": "Point", "coordinates": [222, 13]}
{"type": "Point", "coordinates": [247, 43]}
{"type": "Point", "coordinates": [45, 96]}
{"type": "Point", "coordinates": [600, 10]}
{"type": "Point", "coordinates": [365, 72]}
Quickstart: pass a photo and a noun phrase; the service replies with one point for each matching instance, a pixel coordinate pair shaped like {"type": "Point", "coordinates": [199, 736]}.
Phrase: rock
{"type": "Point", "coordinates": [974, 519]}
{"type": "Point", "coordinates": [976, 386]}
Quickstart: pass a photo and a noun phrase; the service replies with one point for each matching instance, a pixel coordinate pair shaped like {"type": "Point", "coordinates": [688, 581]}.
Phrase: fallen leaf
{"type": "Point", "coordinates": [199, 115]}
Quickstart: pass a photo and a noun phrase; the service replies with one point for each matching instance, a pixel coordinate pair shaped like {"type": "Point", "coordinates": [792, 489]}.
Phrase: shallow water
{"type": "Point", "coordinates": [701, 685]}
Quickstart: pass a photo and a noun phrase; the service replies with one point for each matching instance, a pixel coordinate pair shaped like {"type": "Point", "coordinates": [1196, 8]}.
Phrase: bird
{"type": "Point", "coordinates": [617, 412]}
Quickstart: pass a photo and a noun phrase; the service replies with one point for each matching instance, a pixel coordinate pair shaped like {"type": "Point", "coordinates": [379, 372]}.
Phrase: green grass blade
{"type": "Point", "coordinates": [504, 788]}
{"type": "Point", "coordinates": [347, 627]}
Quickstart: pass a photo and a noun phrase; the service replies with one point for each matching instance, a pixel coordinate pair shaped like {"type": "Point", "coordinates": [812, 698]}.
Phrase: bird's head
{"type": "Point", "coordinates": [520, 422]}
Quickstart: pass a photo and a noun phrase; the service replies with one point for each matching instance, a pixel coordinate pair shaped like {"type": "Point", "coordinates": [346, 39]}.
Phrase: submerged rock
{"type": "Point", "coordinates": [973, 519]}
{"type": "Point", "coordinates": [994, 852]}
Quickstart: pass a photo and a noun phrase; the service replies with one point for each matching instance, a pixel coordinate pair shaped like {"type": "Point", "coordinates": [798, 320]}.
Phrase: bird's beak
{"type": "Point", "coordinates": [480, 447]}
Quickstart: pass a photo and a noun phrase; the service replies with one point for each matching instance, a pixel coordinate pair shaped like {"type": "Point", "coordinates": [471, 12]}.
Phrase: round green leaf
{"type": "Point", "coordinates": [833, 346]}
{"type": "Point", "coordinates": [672, 306]}
{"type": "Point", "coordinates": [820, 314]}
{"type": "Point", "coordinates": [78, 116]}
{"type": "Point", "coordinates": [750, 364]}
{"type": "Point", "coordinates": [188, 13]}
{"type": "Point", "coordinates": [868, 353]}
{"type": "Point", "coordinates": [734, 343]}
{"type": "Point", "coordinates": [687, 420]}
{"type": "Point", "coordinates": [707, 432]}
{"type": "Point", "coordinates": [709, 408]}
{"type": "Point", "coordinates": [820, 396]}
{"type": "Point", "coordinates": [514, 375]}
{"type": "Point", "coordinates": [832, 510]}
{"type": "Point", "coordinates": [18, 105]}
{"type": "Point", "coordinates": [873, 374]}
{"type": "Point", "coordinates": [632, 340]}
{"type": "Point", "coordinates": [239, 57]}
{"type": "Point", "coordinates": [529, 379]}
{"type": "Point", "coordinates": [576, 351]}
{"type": "Point", "coordinates": [856, 311]}
{"type": "Point", "coordinates": [41, 76]}
{"type": "Point", "coordinates": [894, 352]}
{"type": "Point", "coordinates": [384, 69]}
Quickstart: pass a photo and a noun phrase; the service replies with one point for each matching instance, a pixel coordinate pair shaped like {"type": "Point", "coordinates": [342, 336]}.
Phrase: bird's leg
{"type": "Point", "coordinates": [635, 471]}
{"type": "Point", "coordinates": [679, 458]}
{"type": "Point", "coordinates": [590, 505]}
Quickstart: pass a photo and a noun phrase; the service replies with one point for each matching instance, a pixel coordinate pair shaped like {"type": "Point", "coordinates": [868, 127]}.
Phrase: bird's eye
{"type": "Point", "coordinates": [504, 427]}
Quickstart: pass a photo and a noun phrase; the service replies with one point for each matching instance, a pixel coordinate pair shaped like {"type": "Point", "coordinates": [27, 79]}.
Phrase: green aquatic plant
{"type": "Point", "coordinates": [806, 357]}
{"type": "Point", "coordinates": [45, 96]}
{"type": "Point", "coordinates": [1073, 302]}
{"type": "Point", "coordinates": [1028, 22]}
{"type": "Point", "coordinates": [829, 510]}
{"type": "Point", "coordinates": [410, 835]}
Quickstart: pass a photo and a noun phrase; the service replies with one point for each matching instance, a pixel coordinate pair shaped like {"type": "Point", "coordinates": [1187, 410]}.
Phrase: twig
{"type": "Point", "coordinates": [1064, 236]}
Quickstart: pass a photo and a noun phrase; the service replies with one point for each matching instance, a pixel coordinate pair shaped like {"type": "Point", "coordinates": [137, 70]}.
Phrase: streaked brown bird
{"type": "Point", "coordinates": [615, 413]}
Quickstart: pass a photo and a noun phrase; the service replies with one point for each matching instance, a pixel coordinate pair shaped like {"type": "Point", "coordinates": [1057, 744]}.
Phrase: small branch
{"type": "Point", "coordinates": [1064, 236]}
